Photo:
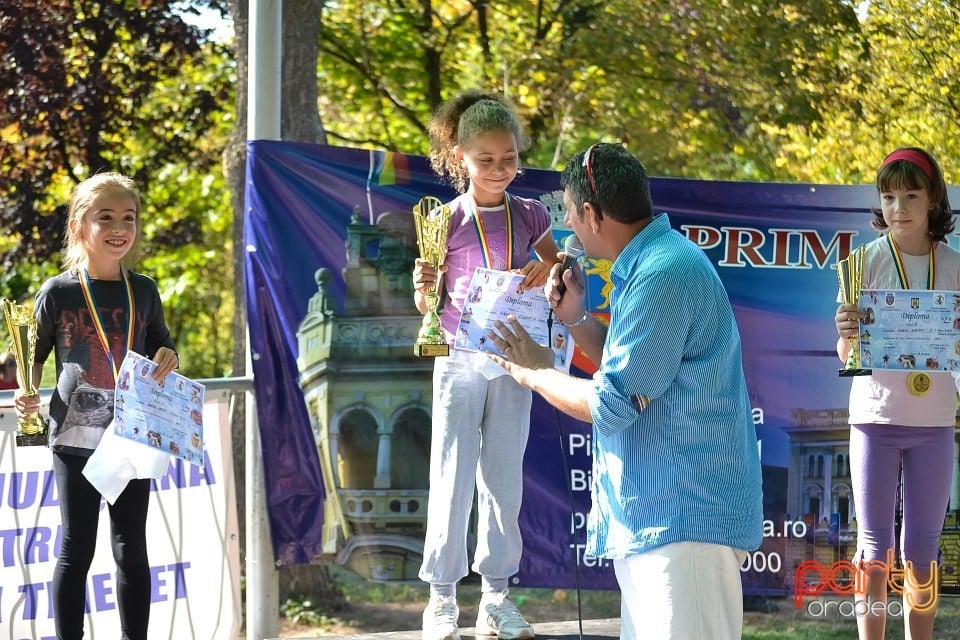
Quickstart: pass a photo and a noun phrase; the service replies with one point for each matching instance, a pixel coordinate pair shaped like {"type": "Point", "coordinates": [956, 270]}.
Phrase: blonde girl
{"type": "Point", "coordinates": [89, 316]}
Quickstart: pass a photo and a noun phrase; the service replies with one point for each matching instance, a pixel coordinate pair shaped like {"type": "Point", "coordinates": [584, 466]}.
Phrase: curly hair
{"type": "Point", "coordinates": [461, 119]}
{"type": "Point", "coordinates": [906, 175]}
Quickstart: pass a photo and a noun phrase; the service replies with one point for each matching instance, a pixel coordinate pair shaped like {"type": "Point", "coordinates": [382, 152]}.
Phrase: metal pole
{"type": "Point", "coordinates": [263, 123]}
{"type": "Point", "coordinates": [263, 82]}
{"type": "Point", "coordinates": [263, 598]}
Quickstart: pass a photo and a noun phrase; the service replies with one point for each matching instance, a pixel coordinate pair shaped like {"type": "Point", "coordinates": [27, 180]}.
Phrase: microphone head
{"type": "Point", "coordinates": [572, 246]}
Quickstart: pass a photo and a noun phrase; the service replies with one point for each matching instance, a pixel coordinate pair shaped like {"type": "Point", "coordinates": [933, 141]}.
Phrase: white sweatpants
{"type": "Point", "coordinates": [480, 429]}
{"type": "Point", "coordinates": [681, 591]}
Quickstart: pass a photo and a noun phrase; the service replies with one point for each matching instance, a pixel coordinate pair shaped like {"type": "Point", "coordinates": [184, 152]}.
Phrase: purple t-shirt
{"type": "Point", "coordinates": [531, 222]}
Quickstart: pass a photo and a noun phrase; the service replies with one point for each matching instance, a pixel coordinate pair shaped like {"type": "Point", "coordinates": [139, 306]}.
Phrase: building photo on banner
{"type": "Point", "coordinates": [330, 245]}
{"type": "Point", "coordinates": [192, 534]}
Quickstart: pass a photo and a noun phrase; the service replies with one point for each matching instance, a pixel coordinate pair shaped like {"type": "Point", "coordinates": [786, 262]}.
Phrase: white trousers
{"type": "Point", "coordinates": [480, 429]}
{"type": "Point", "coordinates": [681, 591]}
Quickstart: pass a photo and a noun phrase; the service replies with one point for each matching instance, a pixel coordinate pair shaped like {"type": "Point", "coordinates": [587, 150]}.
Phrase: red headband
{"type": "Point", "coordinates": [913, 157]}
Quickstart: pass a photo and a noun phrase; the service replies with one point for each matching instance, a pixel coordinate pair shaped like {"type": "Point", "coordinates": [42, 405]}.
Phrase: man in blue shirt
{"type": "Point", "coordinates": [676, 479]}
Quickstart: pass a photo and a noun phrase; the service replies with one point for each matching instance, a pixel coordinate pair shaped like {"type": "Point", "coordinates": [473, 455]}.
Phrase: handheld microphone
{"type": "Point", "coordinates": [572, 250]}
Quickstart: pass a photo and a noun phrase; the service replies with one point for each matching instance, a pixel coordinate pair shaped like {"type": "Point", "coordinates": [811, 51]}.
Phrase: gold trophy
{"type": "Point", "coordinates": [432, 219]}
{"type": "Point", "coordinates": [22, 326]}
{"type": "Point", "coordinates": [850, 274]}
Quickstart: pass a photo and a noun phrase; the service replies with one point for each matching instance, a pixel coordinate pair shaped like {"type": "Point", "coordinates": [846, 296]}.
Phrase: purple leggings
{"type": "Point", "coordinates": [876, 452]}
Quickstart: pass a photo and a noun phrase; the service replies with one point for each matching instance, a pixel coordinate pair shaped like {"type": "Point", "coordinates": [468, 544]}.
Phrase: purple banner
{"type": "Point", "coordinates": [344, 406]}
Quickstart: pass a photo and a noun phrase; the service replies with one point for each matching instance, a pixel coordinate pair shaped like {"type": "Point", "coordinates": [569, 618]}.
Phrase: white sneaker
{"type": "Point", "coordinates": [498, 616]}
{"type": "Point", "coordinates": [440, 619]}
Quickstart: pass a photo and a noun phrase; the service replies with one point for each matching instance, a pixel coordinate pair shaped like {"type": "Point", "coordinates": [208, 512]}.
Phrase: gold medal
{"type": "Point", "coordinates": [918, 383]}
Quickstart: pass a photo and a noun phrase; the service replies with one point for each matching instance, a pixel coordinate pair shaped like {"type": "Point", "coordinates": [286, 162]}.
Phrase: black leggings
{"type": "Point", "coordinates": [80, 511]}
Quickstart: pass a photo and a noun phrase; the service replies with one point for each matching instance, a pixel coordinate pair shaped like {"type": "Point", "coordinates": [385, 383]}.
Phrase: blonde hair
{"type": "Point", "coordinates": [85, 193]}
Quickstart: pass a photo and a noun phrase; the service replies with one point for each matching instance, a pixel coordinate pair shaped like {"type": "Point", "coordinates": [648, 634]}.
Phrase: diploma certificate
{"type": "Point", "coordinates": [494, 295]}
{"type": "Point", "coordinates": [910, 329]}
{"type": "Point", "coordinates": [168, 417]}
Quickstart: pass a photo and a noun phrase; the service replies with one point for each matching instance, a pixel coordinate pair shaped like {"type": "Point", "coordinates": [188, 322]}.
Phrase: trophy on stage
{"type": "Point", "coordinates": [432, 219]}
{"type": "Point", "coordinates": [850, 274]}
{"type": "Point", "coordinates": [22, 326]}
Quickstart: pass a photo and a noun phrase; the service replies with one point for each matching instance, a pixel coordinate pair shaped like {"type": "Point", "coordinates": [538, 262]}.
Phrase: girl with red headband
{"type": "Point", "coordinates": [897, 421]}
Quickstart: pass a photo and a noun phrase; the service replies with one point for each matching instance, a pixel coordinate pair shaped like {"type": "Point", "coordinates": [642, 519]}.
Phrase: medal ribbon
{"type": "Point", "coordinates": [482, 235]}
{"type": "Point", "coordinates": [98, 321]}
{"type": "Point", "coordinates": [902, 273]}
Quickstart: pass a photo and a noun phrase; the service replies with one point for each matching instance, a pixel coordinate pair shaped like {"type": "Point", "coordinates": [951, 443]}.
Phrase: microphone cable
{"type": "Point", "coordinates": [566, 476]}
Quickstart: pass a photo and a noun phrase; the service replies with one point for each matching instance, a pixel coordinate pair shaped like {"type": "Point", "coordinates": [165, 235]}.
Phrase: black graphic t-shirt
{"type": "Point", "coordinates": [82, 403]}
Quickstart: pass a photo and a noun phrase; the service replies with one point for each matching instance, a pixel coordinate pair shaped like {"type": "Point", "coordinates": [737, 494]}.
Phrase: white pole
{"type": "Point", "coordinates": [263, 123]}
{"type": "Point", "coordinates": [263, 597]}
{"type": "Point", "coordinates": [263, 77]}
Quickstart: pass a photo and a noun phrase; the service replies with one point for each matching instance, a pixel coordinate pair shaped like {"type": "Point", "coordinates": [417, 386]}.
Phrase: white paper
{"type": "Point", "coordinates": [910, 329]}
{"type": "Point", "coordinates": [494, 295]}
{"type": "Point", "coordinates": [168, 417]}
{"type": "Point", "coordinates": [151, 423]}
{"type": "Point", "coordinates": [116, 461]}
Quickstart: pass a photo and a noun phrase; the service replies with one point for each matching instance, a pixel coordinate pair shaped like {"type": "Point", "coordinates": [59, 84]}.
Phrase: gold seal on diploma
{"type": "Point", "coordinates": [850, 274]}
{"type": "Point", "coordinates": [432, 219]}
{"type": "Point", "coordinates": [919, 383]}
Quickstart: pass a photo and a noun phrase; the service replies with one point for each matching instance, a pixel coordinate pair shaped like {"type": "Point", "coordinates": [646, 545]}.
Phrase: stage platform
{"type": "Point", "coordinates": [592, 630]}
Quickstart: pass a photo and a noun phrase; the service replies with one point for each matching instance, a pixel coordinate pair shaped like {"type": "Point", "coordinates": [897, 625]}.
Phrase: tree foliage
{"type": "Point", "coordinates": [908, 95]}
{"type": "Point", "coordinates": [124, 86]}
{"type": "Point", "coordinates": [688, 84]}
{"type": "Point", "coordinates": [718, 89]}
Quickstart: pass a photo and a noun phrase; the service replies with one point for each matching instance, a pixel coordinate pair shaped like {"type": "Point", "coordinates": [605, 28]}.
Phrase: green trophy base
{"type": "Point", "coordinates": [32, 439]}
{"type": "Point", "coordinates": [431, 350]}
{"type": "Point", "coordinates": [848, 373]}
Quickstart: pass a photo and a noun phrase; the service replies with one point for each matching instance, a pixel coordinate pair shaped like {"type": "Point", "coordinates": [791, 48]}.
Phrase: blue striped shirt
{"type": "Point", "coordinates": [675, 450]}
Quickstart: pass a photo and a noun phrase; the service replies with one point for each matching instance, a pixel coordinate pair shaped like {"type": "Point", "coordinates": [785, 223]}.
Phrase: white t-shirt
{"type": "Point", "coordinates": [883, 397]}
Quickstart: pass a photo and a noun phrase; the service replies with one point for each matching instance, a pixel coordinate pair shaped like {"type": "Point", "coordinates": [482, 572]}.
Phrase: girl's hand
{"type": "Point", "coordinates": [166, 360]}
{"type": "Point", "coordinates": [847, 320]}
{"type": "Point", "coordinates": [425, 277]}
{"type": "Point", "coordinates": [26, 406]}
{"type": "Point", "coordinates": [536, 275]}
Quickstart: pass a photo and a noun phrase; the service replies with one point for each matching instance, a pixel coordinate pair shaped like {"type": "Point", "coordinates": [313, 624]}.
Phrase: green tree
{"type": "Point", "coordinates": [687, 86]}
{"type": "Point", "coordinates": [907, 94]}
{"type": "Point", "coordinates": [125, 86]}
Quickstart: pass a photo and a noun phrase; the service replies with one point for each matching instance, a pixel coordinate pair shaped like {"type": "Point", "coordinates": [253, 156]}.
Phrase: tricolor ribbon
{"type": "Point", "coordinates": [98, 321]}
{"type": "Point", "coordinates": [485, 243]}
{"type": "Point", "coordinates": [902, 272]}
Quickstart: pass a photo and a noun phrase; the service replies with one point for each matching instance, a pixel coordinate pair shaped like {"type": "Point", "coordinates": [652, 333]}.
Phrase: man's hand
{"type": "Point", "coordinates": [521, 355]}
{"type": "Point", "coordinates": [568, 306]}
